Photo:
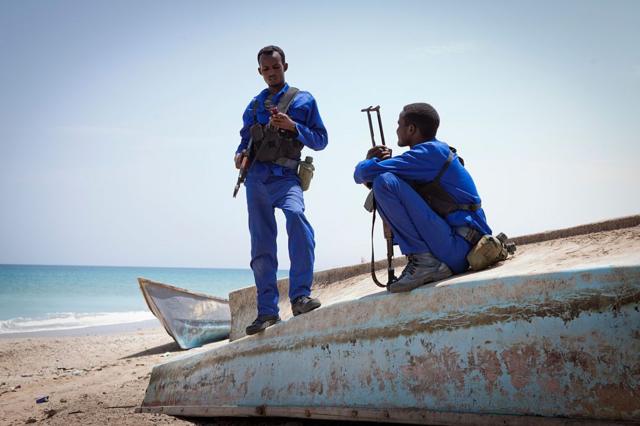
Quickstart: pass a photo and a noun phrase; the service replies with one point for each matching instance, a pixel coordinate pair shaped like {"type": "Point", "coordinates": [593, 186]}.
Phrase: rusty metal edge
{"type": "Point", "coordinates": [384, 415]}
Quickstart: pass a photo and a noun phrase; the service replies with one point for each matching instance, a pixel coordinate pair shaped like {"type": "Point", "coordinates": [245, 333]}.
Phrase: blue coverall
{"type": "Point", "coordinates": [268, 186]}
{"type": "Point", "coordinates": [417, 228]}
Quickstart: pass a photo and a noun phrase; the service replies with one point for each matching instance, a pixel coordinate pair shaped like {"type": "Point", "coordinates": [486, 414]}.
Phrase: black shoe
{"type": "Point", "coordinates": [422, 269]}
{"type": "Point", "coordinates": [261, 323]}
{"type": "Point", "coordinates": [304, 304]}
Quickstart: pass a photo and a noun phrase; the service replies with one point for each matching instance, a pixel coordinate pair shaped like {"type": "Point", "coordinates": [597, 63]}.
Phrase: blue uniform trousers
{"type": "Point", "coordinates": [264, 194]}
{"type": "Point", "coordinates": [416, 227]}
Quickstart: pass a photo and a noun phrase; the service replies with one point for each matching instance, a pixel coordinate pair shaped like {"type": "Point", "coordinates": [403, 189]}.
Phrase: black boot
{"type": "Point", "coordinates": [422, 269]}
{"type": "Point", "coordinates": [261, 323]}
{"type": "Point", "coordinates": [304, 304]}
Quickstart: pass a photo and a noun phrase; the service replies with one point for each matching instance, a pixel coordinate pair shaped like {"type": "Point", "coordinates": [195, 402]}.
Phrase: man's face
{"type": "Point", "coordinates": [403, 131]}
{"type": "Point", "coordinates": [272, 69]}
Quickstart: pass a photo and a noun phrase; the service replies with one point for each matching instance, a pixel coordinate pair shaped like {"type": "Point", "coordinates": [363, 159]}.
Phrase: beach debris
{"type": "Point", "coordinates": [42, 399]}
{"type": "Point", "coordinates": [50, 412]}
{"type": "Point", "coordinates": [26, 375]}
{"type": "Point", "coordinates": [15, 388]}
{"type": "Point", "coordinates": [63, 401]}
{"type": "Point", "coordinates": [30, 420]}
{"type": "Point", "coordinates": [76, 412]}
{"type": "Point", "coordinates": [120, 406]}
{"type": "Point", "coordinates": [73, 371]}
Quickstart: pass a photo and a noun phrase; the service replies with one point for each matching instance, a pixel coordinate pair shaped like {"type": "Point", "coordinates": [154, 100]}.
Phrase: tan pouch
{"type": "Point", "coordinates": [305, 172]}
{"type": "Point", "coordinates": [488, 251]}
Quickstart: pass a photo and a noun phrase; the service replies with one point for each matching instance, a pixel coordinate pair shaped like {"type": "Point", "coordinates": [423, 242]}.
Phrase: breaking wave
{"type": "Point", "coordinates": [71, 320]}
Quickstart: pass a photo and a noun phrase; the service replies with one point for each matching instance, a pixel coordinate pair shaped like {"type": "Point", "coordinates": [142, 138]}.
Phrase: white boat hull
{"type": "Point", "coordinates": [192, 319]}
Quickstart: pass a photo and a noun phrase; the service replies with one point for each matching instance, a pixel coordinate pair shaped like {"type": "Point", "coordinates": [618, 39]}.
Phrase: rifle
{"type": "Point", "coordinates": [255, 132]}
{"type": "Point", "coordinates": [371, 202]}
{"type": "Point", "coordinates": [244, 166]}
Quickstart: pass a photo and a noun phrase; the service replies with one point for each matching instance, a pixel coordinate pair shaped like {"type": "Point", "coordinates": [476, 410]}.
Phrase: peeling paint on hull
{"type": "Point", "coordinates": [562, 344]}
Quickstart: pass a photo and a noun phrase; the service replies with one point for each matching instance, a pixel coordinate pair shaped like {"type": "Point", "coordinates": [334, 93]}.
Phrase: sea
{"type": "Point", "coordinates": [37, 298]}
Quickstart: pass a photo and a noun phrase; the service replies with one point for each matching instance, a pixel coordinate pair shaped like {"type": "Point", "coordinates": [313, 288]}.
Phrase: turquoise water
{"type": "Point", "coordinates": [36, 298]}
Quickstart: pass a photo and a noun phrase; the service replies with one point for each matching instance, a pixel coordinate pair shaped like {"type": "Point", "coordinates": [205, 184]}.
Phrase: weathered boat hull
{"type": "Point", "coordinates": [563, 344]}
{"type": "Point", "coordinates": [192, 319]}
{"type": "Point", "coordinates": [552, 336]}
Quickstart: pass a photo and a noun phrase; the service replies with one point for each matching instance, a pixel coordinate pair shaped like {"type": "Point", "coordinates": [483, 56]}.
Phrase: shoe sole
{"type": "Point", "coordinates": [268, 324]}
{"type": "Point", "coordinates": [313, 306]}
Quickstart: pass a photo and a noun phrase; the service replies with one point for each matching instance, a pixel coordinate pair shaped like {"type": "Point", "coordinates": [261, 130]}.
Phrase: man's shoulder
{"type": "Point", "coordinates": [302, 99]}
{"type": "Point", "coordinates": [431, 146]}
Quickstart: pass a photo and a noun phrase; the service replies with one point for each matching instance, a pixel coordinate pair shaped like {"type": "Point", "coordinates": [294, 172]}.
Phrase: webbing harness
{"type": "Point", "coordinates": [437, 197]}
{"type": "Point", "coordinates": [274, 145]}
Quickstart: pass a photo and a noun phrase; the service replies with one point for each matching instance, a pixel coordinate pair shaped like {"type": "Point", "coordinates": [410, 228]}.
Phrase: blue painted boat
{"type": "Point", "coordinates": [192, 319]}
{"type": "Point", "coordinates": [549, 337]}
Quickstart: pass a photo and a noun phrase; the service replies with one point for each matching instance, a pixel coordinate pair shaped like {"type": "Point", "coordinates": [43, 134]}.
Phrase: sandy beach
{"type": "Point", "coordinates": [90, 377]}
{"type": "Point", "coordinates": [95, 376]}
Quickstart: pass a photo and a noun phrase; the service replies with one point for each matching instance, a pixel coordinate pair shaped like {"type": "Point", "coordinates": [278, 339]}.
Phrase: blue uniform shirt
{"type": "Point", "coordinates": [303, 110]}
{"type": "Point", "coordinates": [423, 163]}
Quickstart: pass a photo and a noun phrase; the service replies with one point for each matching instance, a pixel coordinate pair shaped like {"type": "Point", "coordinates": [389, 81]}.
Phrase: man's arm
{"type": "Point", "coordinates": [313, 133]}
{"type": "Point", "coordinates": [410, 165]}
{"type": "Point", "coordinates": [247, 122]}
{"type": "Point", "coordinates": [304, 120]}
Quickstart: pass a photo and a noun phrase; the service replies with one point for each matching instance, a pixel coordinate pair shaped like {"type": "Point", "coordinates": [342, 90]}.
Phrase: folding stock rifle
{"type": "Point", "coordinates": [370, 205]}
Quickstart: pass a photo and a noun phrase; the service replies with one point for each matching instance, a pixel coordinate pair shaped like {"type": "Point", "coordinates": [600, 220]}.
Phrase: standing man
{"type": "Point", "coordinates": [427, 197]}
{"type": "Point", "coordinates": [279, 121]}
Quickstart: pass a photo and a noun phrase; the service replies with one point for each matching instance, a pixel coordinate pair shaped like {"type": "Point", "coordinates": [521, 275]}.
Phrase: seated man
{"type": "Point", "coordinates": [427, 197]}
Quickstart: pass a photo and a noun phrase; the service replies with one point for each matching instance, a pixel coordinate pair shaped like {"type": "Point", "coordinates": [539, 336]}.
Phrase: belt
{"type": "Point", "coordinates": [287, 162]}
{"type": "Point", "coordinates": [471, 235]}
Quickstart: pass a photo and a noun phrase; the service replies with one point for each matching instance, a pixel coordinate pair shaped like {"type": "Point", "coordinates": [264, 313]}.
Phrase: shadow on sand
{"type": "Point", "coordinates": [167, 347]}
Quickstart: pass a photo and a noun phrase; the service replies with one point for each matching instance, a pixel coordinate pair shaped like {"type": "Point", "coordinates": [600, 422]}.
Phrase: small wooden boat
{"type": "Point", "coordinates": [192, 319]}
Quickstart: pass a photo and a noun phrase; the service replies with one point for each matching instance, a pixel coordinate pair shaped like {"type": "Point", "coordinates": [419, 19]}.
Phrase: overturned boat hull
{"type": "Point", "coordinates": [530, 342]}
{"type": "Point", "coordinates": [192, 319]}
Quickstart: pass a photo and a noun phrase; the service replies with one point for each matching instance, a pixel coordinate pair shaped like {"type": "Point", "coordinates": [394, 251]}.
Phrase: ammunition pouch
{"type": "Point", "coordinates": [275, 144]}
{"type": "Point", "coordinates": [489, 250]}
{"type": "Point", "coordinates": [271, 144]}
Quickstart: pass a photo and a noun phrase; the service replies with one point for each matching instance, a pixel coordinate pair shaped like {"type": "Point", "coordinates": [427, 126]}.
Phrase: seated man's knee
{"type": "Point", "coordinates": [385, 182]}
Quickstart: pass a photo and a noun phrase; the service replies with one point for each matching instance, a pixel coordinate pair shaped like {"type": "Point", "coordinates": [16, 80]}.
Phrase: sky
{"type": "Point", "coordinates": [119, 119]}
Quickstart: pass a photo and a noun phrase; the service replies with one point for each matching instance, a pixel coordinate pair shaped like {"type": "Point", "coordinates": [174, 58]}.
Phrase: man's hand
{"type": "Point", "coordinates": [283, 121]}
{"type": "Point", "coordinates": [379, 151]}
{"type": "Point", "coordinates": [238, 158]}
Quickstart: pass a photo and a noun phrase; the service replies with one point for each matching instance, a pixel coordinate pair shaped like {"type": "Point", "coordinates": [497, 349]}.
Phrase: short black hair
{"type": "Point", "coordinates": [424, 117]}
{"type": "Point", "coordinates": [270, 50]}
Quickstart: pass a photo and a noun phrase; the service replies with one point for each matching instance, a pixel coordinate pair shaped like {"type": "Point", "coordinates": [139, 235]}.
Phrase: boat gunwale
{"type": "Point", "coordinates": [144, 281]}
